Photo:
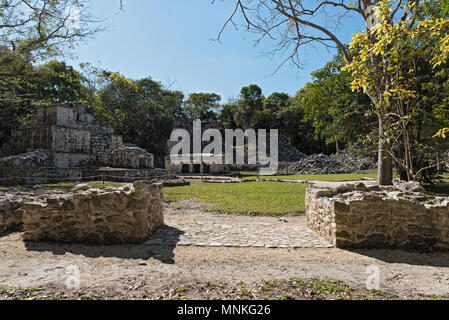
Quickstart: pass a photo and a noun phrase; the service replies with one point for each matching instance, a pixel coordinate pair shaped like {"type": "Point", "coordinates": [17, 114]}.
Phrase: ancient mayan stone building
{"type": "Point", "coordinates": [65, 137]}
{"type": "Point", "coordinates": [205, 166]}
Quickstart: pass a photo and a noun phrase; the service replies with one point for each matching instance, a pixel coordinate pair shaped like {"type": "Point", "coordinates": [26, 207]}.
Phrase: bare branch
{"type": "Point", "coordinates": [292, 23]}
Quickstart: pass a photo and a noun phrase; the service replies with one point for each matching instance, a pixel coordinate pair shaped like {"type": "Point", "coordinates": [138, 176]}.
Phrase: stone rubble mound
{"type": "Point", "coordinates": [353, 160]}
{"type": "Point", "coordinates": [36, 158]}
{"type": "Point", "coordinates": [347, 162]}
{"type": "Point", "coordinates": [11, 209]}
{"type": "Point", "coordinates": [400, 188]}
{"type": "Point", "coordinates": [287, 152]}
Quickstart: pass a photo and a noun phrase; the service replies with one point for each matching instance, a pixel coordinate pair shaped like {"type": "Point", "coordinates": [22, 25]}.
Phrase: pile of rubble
{"type": "Point", "coordinates": [353, 160]}
{"type": "Point", "coordinates": [36, 158]}
{"type": "Point", "coordinates": [11, 210]}
{"type": "Point", "coordinates": [287, 152]}
{"type": "Point", "coordinates": [347, 162]}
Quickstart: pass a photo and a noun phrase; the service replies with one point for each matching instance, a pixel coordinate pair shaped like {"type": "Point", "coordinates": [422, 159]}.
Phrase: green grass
{"type": "Point", "coordinates": [244, 198]}
{"type": "Point", "coordinates": [321, 177]}
{"type": "Point", "coordinates": [265, 198]}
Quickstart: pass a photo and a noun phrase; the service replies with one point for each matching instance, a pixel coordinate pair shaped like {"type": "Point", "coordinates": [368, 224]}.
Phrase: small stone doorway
{"type": "Point", "coordinates": [185, 168]}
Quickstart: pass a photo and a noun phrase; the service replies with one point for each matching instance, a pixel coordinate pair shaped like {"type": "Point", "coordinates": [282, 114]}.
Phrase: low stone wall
{"type": "Point", "coordinates": [11, 210]}
{"type": "Point", "coordinates": [401, 216]}
{"type": "Point", "coordinates": [100, 216]}
{"type": "Point", "coordinates": [127, 175]}
{"type": "Point", "coordinates": [40, 175]}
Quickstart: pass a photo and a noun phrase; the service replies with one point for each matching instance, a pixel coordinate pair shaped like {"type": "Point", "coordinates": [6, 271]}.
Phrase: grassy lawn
{"type": "Point", "coordinates": [321, 177]}
{"type": "Point", "coordinates": [268, 198]}
{"type": "Point", "coordinates": [256, 198]}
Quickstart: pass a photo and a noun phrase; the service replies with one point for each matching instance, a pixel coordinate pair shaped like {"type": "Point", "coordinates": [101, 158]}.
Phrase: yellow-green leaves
{"type": "Point", "coordinates": [121, 80]}
{"type": "Point", "coordinates": [442, 133]}
{"type": "Point", "coordinates": [378, 52]}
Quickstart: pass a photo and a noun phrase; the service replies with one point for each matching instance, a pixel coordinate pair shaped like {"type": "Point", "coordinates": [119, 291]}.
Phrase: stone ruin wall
{"type": "Point", "coordinates": [355, 216]}
{"type": "Point", "coordinates": [12, 176]}
{"type": "Point", "coordinates": [128, 214]}
{"type": "Point", "coordinates": [72, 137]}
{"type": "Point", "coordinates": [11, 210]}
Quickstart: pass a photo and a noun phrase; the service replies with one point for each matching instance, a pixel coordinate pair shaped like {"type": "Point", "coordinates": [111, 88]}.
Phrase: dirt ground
{"type": "Point", "coordinates": [44, 270]}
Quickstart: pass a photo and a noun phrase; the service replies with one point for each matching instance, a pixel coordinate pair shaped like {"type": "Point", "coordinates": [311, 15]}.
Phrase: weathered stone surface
{"type": "Point", "coordinates": [80, 187]}
{"type": "Point", "coordinates": [30, 159]}
{"type": "Point", "coordinates": [11, 209]}
{"type": "Point", "coordinates": [42, 175]}
{"type": "Point", "coordinates": [382, 217]}
{"type": "Point", "coordinates": [102, 216]}
{"type": "Point", "coordinates": [130, 156]}
{"type": "Point", "coordinates": [287, 152]}
{"type": "Point", "coordinates": [64, 137]}
{"type": "Point", "coordinates": [345, 162]}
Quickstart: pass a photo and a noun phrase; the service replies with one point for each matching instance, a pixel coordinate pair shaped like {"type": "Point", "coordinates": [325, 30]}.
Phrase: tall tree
{"type": "Point", "coordinates": [39, 29]}
{"type": "Point", "coordinates": [249, 106]}
{"type": "Point", "coordinates": [385, 67]}
{"type": "Point", "coordinates": [273, 106]}
{"type": "Point", "coordinates": [200, 106]}
{"type": "Point", "coordinates": [296, 23]}
{"type": "Point", "coordinates": [337, 114]}
{"type": "Point", "coordinates": [140, 110]}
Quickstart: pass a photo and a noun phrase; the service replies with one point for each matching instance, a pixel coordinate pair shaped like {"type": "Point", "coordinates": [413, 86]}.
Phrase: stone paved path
{"type": "Point", "coordinates": [187, 224]}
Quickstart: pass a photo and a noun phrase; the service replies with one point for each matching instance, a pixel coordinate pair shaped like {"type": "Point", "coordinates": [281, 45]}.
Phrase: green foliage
{"type": "Point", "coordinates": [40, 30]}
{"type": "Point", "coordinates": [272, 113]}
{"type": "Point", "coordinates": [226, 116]}
{"type": "Point", "coordinates": [444, 8]}
{"type": "Point", "coordinates": [140, 110]}
{"type": "Point", "coordinates": [249, 107]}
{"type": "Point", "coordinates": [337, 114]}
{"type": "Point", "coordinates": [24, 86]}
{"type": "Point", "coordinates": [58, 83]}
{"type": "Point", "coordinates": [401, 65]}
{"type": "Point", "coordinates": [200, 106]}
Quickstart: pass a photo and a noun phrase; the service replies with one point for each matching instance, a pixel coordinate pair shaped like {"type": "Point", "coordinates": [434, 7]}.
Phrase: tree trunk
{"type": "Point", "coordinates": [384, 163]}
{"type": "Point", "coordinates": [438, 162]}
{"type": "Point", "coordinates": [337, 147]}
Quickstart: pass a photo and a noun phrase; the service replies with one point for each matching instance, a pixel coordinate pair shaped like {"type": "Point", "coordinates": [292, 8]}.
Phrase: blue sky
{"type": "Point", "coordinates": [170, 41]}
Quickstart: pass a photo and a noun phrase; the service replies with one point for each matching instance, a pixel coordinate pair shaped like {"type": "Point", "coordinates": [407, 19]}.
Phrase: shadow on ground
{"type": "Point", "coordinates": [434, 259]}
{"type": "Point", "coordinates": [163, 253]}
{"type": "Point", "coordinates": [11, 230]}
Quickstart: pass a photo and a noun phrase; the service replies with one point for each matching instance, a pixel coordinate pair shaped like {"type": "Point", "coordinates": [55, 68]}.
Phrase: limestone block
{"type": "Point", "coordinates": [114, 216]}
{"type": "Point", "coordinates": [381, 217]}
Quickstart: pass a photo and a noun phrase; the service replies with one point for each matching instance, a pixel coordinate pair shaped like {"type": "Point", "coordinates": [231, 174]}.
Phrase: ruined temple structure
{"type": "Point", "coordinates": [188, 165]}
{"type": "Point", "coordinates": [205, 166]}
{"type": "Point", "coordinates": [65, 137]}
{"type": "Point", "coordinates": [68, 144]}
